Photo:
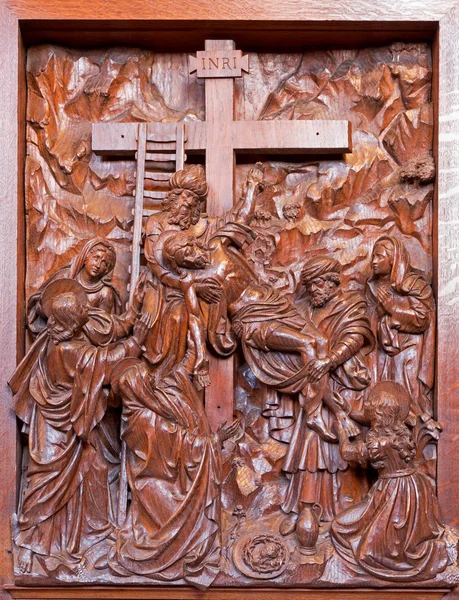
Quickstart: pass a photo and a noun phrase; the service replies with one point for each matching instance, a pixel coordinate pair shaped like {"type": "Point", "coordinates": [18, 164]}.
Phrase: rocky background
{"type": "Point", "coordinates": [340, 206]}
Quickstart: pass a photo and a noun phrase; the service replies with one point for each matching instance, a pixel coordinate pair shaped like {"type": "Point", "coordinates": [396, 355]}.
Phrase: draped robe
{"type": "Point", "coordinates": [395, 533]}
{"type": "Point", "coordinates": [318, 472]}
{"type": "Point", "coordinates": [58, 393]}
{"type": "Point", "coordinates": [172, 530]}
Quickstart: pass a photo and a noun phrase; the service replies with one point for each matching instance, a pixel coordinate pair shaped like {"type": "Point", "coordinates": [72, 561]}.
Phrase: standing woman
{"type": "Point", "coordinates": [405, 322]}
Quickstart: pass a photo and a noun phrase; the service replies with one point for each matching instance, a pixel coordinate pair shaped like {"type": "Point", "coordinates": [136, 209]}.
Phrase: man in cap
{"type": "Point", "coordinates": [317, 471]}
{"type": "Point", "coordinates": [166, 342]}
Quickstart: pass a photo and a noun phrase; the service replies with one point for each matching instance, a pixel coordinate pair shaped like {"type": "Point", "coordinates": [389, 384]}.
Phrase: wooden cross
{"type": "Point", "coordinates": [220, 138]}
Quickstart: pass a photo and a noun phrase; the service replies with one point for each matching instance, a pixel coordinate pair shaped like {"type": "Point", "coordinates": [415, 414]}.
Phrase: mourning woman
{"type": "Point", "coordinates": [58, 393]}
{"type": "Point", "coordinates": [92, 268]}
{"type": "Point", "coordinates": [172, 529]}
{"type": "Point", "coordinates": [404, 321]}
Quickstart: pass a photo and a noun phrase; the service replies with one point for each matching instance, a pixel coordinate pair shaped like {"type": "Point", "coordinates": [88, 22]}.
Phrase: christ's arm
{"type": "Point", "coordinates": [243, 210]}
{"type": "Point", "coordinates": [355, 452]}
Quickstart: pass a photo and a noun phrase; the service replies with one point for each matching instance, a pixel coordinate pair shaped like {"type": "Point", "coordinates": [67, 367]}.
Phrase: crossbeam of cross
{"type": "Point", "coordinates": [220, 138]}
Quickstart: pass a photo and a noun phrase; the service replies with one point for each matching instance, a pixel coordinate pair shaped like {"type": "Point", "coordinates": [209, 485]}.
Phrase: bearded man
{"type": "Point", "coordinates": [316, 469]}
{"type": "Point", "coordinates": [166, 342]}
{"type": "Point", "coordinates": [281, 346]}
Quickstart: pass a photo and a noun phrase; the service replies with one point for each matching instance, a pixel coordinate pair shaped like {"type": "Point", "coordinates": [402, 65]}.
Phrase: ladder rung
{"type": "Point", "coordinates": [155, 194]}
{"type": "Point", "coordinates": [157, 176]}
{"type": "Point", "coordinates": [147, 212]}
{"type": "Point", "coordinates": [159, 146]}
{"type": "Point", "coordinates": [160, 157]}
{"type": "Point", "coordinates": [161, 138]}
{"type": "Point", "coordinates": [163, 132]}
{"type": "Point", "coordinates": [152, 165]}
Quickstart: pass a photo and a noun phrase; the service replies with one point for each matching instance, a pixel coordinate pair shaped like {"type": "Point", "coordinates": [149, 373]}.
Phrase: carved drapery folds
{"type": "Point", "coordinates": [317, 282]}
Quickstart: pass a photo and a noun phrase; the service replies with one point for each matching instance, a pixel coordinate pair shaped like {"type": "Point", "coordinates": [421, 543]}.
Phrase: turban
{"type": "Point", "coordinates": [319, 266]}
{"type": "Point", "coordinates": [190, 178]}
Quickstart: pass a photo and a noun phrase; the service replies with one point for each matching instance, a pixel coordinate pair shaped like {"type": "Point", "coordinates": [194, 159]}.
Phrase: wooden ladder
{"type": "Point", "coordinates": [160, 152]}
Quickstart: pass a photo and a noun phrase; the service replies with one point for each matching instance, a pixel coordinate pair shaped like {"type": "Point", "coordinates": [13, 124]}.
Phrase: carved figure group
{"type": "Point", "coordinates": [395, 532]}
{"type": "Point", "coordinates": [59, 394]}
{"type": "Point", "coordinates": [356, 369]}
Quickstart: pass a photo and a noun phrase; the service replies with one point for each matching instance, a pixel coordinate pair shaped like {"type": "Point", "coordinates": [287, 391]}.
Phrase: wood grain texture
{"type": "Point", "coordinates": [293, 137]}
{"type": "Point", "coordinates": [268, 36]}
{"type": "Point", "coordinates": [447, 252]}
{"type": "Point", "coordinates": [286, 137]}
{"type": "Point", "coordinates": [448, 267]}
{"type": "Point", "coordinates": [11, 236]}
{"type": "Point", "coordinates": [220, 174]}
{"type": "Point", "coordinates": [243, 10]}
{"type": "Point", "coordinates": [124, 593]}
{"type": "Point", "coordinates": [141, 156]}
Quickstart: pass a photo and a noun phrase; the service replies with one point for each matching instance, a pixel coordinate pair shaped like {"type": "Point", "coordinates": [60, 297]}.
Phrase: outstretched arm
{"type": "Point", "coordinates": [359, 416]}
{"type": "Point", "coordinates": [352, 451]}
{"type": "Point", "coordinates": [208, 290]}
{"type": "Point", "coordinates": [246, 205]}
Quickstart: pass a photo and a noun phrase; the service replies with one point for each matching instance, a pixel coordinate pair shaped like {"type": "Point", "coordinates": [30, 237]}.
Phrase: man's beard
{"type": "Point", "coordinates": [320, 298]}
{"type": "Point", "coordinates": [201, 262]}
{"type": "Point", "coordinates": [184, 221]}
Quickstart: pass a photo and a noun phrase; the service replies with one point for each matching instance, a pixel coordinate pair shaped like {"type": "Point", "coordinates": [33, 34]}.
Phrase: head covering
{"type": "Point", "coordinates": [80, 259]}
{"type": "Point", "coordinates": [319, 266]}
{"type": "Point", "coordinates": [190, 178]}
{"type": "Point", "coordinates": [400, 260]}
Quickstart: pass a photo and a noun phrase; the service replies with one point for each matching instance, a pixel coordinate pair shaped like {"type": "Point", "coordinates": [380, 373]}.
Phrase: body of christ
{"type": "Point", "coordinates": [221, 138]}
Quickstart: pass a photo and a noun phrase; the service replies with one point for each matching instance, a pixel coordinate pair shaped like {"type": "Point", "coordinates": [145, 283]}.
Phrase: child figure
{"type": "Point", "coordinates": [395, 533]}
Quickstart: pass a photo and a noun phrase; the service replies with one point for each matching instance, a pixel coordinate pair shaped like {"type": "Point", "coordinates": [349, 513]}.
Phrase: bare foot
{"type": "Point", "coordinates": [25, 560]}
{"type": "Point", "coordinates": [317, 424]}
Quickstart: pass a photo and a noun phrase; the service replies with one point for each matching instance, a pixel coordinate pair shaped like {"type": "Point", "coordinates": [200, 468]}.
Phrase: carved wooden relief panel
{"type": "Point", "coordinates": [230, 384]}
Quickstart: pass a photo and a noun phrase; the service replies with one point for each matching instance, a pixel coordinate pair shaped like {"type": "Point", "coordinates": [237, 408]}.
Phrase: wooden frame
{"type": "Point", "coordinates": [184, 26]}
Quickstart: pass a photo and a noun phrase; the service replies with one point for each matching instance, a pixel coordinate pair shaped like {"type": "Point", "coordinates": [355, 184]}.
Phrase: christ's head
{"type": "Point", "coordinates": [184, 252]}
